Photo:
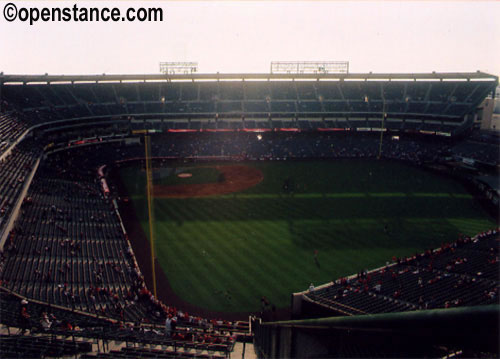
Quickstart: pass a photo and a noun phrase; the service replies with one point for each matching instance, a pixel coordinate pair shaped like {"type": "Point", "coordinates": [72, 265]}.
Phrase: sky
{"type": "Point", "coordinates": [245, 36]}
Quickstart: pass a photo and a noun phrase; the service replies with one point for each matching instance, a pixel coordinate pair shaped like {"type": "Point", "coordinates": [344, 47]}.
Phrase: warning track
{"type": "Point", "coordinates": [236, 178]}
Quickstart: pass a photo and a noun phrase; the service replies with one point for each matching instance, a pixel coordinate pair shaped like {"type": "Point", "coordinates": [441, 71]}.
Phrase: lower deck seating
{"type": "Point", "coordinates": [71, 252]}
{"type": "Point", "coordinates": [11, 128]}
{"type": "Point", "coordinates": [14, 170]}
{"type": "Point", "coordinates": [129, 353]}
{"type": "Point", "coordinates": [29, 346]}
{"type": "Point", "coordinates": [66, 323]}
{"type": "Point", "coordinates": [464, 273]}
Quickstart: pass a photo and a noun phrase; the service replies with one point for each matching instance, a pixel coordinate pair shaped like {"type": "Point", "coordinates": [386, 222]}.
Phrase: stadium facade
{"type": "Point", "coordinates": [437, 103]}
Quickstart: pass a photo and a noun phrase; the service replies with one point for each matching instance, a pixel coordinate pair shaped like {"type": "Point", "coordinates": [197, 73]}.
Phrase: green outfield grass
{"type": "Point", "coordinates": [224, 252]}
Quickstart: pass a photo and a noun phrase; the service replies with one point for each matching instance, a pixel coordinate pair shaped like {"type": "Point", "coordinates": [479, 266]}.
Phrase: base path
{"type": "Point", "coordinates": [236, 178]}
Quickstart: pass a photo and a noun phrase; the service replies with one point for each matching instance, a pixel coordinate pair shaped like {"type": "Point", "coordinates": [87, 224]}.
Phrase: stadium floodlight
{"type": "Point", "coordinates": [309, 67]}
{"type": "Point", "coordinates": [174, 68]}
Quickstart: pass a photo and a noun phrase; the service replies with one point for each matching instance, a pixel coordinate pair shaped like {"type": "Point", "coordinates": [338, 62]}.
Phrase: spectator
{"type": "Point", "coordinates": [168, 326]}
{"type": "Point", "coordinates": [45, 322]}
{"type": "Point", "coordinates": [24, 317]}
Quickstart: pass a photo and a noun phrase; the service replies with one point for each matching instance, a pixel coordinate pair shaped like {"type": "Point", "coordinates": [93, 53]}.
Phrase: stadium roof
{"type": "Point", "coordinates": [434, 76]}
{"type": "Point", "coordinates": [412, 101]}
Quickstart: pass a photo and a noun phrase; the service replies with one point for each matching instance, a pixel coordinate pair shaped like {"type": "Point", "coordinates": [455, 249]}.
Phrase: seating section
{"type": "Point", "coordinates": [45, 103]}
{"type": "Point", "coordinates": [11, 128]}
{"type": "Point", "coordinates": [204, 338]}
{"type": "Point", "coordinates": [60, 317]}
{"type": "Point", "coordinates": [130, 353]}
{"type": "Point", "coordinates": [272, 145]}
{"type": "Point", "coordinates": [21, 346]}
{"type": "Point", "coordinates": [483, 152]}
{"type": "Point", "coordinates": [14, 170]}
{"type": "Point", "coordinates": [464, 273]}
{"type": "Point", "coordinates": [68, 248]}
{"type": "Point", "coordinates": [290, 145]}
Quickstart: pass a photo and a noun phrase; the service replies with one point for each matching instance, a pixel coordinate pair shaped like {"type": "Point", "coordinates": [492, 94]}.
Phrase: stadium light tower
{"type": "Point", "coordinates": [309, 67]}
{"type": "Point", "coordinates": [173, 68]}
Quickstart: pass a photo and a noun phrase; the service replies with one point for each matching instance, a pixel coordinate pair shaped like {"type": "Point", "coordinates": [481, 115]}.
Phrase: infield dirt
{"type": "Point", "coordinates": [236, 178]}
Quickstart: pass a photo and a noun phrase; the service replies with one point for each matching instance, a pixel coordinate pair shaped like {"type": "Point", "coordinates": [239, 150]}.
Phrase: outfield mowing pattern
{"type": "Point", "coordinates": [224, 252]}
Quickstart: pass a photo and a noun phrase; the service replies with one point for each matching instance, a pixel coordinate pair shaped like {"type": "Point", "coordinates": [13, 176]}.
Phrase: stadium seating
{"type": "Point", "coordinates": [94, 271]}
{"type": "Point", "coordinates": [431, 99]}
{"type": "Point", "coordinates": [14, 171]}
{"type": "Point", "coordinates": [90, 271]}
{"type": "Point", "coordinates": [483, 152]}
{"type": "Point", "coordinates": [189, 338]}
{"type": "Point", "coordinates": [464, 273]}
{"type": "Point", "coordinates": [40, 347]}
{"type": "Point", "coordinates": [11, 128]}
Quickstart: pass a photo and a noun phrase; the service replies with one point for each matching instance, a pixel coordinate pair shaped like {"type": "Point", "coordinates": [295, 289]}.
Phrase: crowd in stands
{"type": "Point", "coordinates": [286, 146]}
{"type": "Point", "coordinates": [35, 319]}
{"type": "Point", "coordinates": [462, 273]}
{"type": "Point", "coordinates": [271, 145]}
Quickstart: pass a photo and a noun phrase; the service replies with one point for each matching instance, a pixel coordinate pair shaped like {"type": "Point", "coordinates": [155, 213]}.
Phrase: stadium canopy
{"type": "Point", "coordinates": [438, 76]}
{"type": "Point", "coordinates": [439, 103]}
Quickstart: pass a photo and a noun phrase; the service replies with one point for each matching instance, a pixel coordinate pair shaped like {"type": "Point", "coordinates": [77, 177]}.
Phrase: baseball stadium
{"type": "Point", "coordinates": [288, 214]}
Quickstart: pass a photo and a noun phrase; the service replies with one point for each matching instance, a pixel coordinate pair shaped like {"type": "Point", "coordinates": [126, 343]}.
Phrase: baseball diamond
{"type": "Point", "coordinates": [239, 231]}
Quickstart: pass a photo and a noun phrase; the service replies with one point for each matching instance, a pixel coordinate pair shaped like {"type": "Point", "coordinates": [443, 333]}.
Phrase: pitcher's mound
{"type": "Point", "coordinates": [235, 178]}
{"type": "Point", "coordinates": [185, 175]}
